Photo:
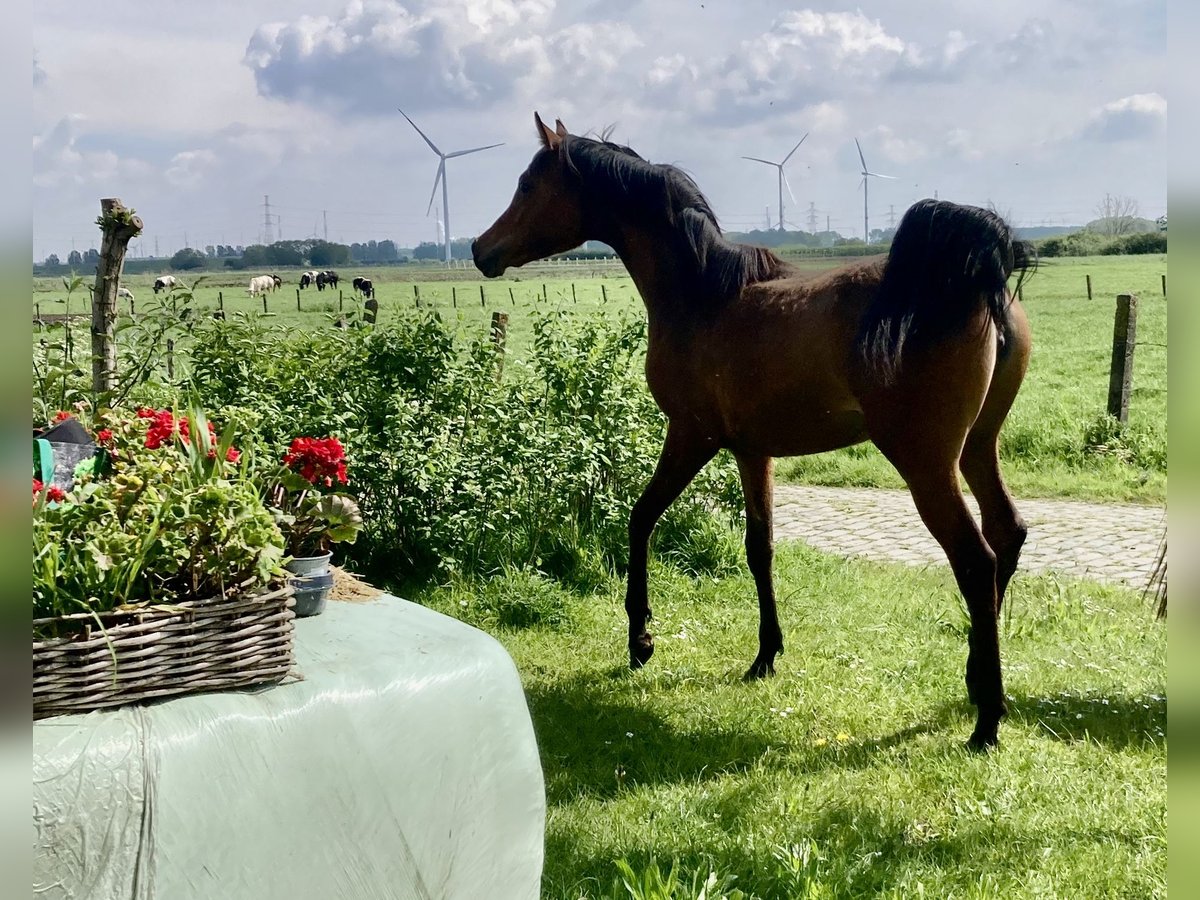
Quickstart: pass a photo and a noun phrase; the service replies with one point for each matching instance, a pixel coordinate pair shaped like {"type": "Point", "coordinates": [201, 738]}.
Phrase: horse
{"type": "Point", "coordinates": [322, 280]}
{"type": "Point", "coordinates": [921, 353]}
{"type": "Point", "coordinates": [331, 278]}
{"type": "Point", "coordinates": [307, 278]}
{"type": "Point", "coordinates": [164, 283]}
{"type": "Point", "coordinates": [260, 284]}
{"type": "Point", "coordinates": [276, 282]}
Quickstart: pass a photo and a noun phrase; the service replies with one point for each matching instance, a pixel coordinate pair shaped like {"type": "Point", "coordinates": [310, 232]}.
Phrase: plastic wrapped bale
{"type": "Point", "coordinates": [401, 763]}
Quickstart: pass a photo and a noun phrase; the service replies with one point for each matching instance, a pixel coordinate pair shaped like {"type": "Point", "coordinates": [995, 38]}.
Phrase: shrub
{"type": "Point", "coordinates": [456, 473]}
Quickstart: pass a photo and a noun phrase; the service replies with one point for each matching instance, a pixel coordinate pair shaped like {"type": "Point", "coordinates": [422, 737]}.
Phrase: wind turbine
{"type": "Point", "coordinates": [441, 176]}
{"type": "Point", "coordinates": [782, 177]}
{"type": "Point", "coordinates": [866, 173]}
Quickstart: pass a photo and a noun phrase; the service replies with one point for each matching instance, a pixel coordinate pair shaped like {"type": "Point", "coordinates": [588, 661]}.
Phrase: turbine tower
{"type": "Point", "coordinates": [782, 177]}
{"type": "Point", "coordinates": [441, 176]}
{"type": "Point", "coordinates": [866, 173]}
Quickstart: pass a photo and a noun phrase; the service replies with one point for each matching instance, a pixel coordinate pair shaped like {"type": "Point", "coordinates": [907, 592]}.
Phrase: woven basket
{"type": "Point", "coordinates": [161, 651]}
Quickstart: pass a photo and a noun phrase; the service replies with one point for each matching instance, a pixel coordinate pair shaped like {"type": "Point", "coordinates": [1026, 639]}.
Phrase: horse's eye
{"type": "Point", "coordinates": [524, 186]}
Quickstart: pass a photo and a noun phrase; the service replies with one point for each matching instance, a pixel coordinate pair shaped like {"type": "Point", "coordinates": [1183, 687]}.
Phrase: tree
{"type": "Point", "coordinates": [1115, 215]}
{"type": "Point", "coordinates": [91, 257]}
{"type": "Point", "coordinates": [187, 258]}
{"type": "Point", "coordinates": [284, 253]}
{"type": "Point", "coordinates": [427, 250]}
{"type": "Point", "coordinates": [254, 257]}
{"type": "Point", "coordinates": [324, 253]}
{"type": "Point", "coordinates": [75, 259]}
{"type": "Point", "coordinates": [52, 261]}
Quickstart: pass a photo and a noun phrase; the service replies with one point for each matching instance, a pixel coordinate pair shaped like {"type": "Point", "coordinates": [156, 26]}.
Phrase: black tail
{"type": "Point", "coordinates": [945, 260]}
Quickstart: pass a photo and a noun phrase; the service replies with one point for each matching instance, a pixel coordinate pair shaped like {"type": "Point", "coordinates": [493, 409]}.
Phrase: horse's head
{"type": "Point", "coordinates": [545, 216]}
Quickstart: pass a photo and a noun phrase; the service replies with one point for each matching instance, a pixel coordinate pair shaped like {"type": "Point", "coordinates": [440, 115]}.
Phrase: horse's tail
{"type": "Point", "coordinates": [945, 261]}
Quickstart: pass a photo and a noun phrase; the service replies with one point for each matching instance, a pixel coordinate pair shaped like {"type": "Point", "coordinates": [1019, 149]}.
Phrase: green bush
{"type": "Point", "coordinates": [456, 473]}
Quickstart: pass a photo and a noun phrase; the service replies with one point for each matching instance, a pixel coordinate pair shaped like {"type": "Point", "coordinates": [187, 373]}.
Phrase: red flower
{"type": "Point", "coordinates": [104, 435]}
{"type": "Point", "coordinates": [61, 416]}
{"type": "Point", "coordinates": [37, 487]}
{"type": "Point", "coordinates": [317, 460]}
{"type": "Point", "coordinates": [145, 412]}
{"type": "Point", "coordinates": [233, 455]}
{"type": "Point", "coordinates": [55, 494]}
{"type": "Point", "coordinates": [163, 427]}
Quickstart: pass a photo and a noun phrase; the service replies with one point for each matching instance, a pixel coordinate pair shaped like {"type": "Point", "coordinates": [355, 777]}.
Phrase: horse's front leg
{"type": "Point", "coordinates": [758, 488]}
{"type": "Point", "coordinates": [684, 454]}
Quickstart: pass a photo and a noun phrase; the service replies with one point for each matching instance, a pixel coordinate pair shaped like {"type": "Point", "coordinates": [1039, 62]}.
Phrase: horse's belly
{"type": "Point", "coordinates": [801, 432]}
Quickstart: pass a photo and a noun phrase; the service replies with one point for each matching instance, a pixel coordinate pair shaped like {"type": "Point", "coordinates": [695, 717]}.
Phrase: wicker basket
{"type": "Point", "coordinates": [161, 651]}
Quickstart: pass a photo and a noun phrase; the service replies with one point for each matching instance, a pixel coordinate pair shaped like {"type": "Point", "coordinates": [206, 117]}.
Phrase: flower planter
{"type": "Point", "coordinates": [312, 583]}
{"type": "Point", "coordinates": [160, 651]}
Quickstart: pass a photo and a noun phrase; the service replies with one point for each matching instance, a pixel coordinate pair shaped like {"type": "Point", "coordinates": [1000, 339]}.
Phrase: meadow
{"type": "Point", "coordinates": [1057, 441]}
{"type": "Point", "coordinates": [845, 776]}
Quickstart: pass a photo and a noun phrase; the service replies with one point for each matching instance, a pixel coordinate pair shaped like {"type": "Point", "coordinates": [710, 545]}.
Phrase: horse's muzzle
{"type": "Point", "coordinates": [487, 263]}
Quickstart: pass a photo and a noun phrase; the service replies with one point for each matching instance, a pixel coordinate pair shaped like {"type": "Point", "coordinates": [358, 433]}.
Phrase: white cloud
{"type": "Point", "coordinates": [57, 162]}
{"type": "Point", "coordinates": [1134, 117]}
{"type": "Point", "coordinates": [187, 168]}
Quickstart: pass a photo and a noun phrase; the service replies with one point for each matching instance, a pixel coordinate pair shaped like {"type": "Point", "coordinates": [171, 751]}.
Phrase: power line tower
{"type": "Point", "coordinates": [812, 217]}
{"type": "Point", "coordinates": [891, 216]}
{"type": "Point", "coordinates": [325, 223]}
{"type": "Point", "coordinates": [268, 237]}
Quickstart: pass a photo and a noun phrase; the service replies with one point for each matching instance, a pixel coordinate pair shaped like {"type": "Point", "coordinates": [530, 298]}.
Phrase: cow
{"type": "Point", "coordinates": [278, 282]}
{"type": "Point", "coordinates": [308, 279]}
{"type": "Point", "coordinates": [124, 293]}
{"type": "Point", "coordinates": [260, 284]}
{"type": "Point", "coordinates": [331, 278]}
{"type": "Point", "coordinates": [322, 280]}
{"type": "Point", "coordinates": [363, 286]}
{"type": "Point", "coordinates": [164, 283]}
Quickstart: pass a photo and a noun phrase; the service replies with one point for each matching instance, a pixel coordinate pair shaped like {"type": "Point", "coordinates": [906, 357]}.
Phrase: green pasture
{"type": "Point", "coordinates": [1057, 441]}
{"type": "Point", "coordinates": [845, 776]}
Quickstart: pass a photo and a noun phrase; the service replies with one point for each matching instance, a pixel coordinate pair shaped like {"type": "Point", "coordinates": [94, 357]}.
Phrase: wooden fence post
{"type": "Point", "coordinates": [482, 302]}
{"type": "Point", "coordinates": [499, 335]}
{"type": "Point", "coordinates": [574, 299]}
{"type": "Point", "coordinates": [417, 295]}
{"type": "Point", "coordinates": [544, 296]}
{"type": "Point", "coordinates": [297, 299]}
{"type": "Point", "coordinates": [511, 298]}
{"type": "Point", "coordinates": [371, 308]}
{"type": "Point", "coordinates": [37, 316]}
{"type": "Point", "coordinates": [454, 296]}
{"type": "Point", "coordinates": [1120, 379]}
{"type": "Point", "coordinates": [1089, 285]}
{"type": "Point", "coordinates": [264, 296]}
{"type": "Point", "coordinates": [339, 300]}
{"type": "Point", "coordinates": [603, 293]}
{"type": "Point", "coordinates": [1164, 283]}
{"type": "Point", "coordinates": [118, 226]}
{"type": "Point", "coordinates": [170, 359]}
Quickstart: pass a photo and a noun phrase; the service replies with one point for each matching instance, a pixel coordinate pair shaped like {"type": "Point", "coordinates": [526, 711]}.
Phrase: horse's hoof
{"type": "Point", "coordinates": [982, 742]}
{"type": "Point", "coordinates": [640, 651]}
{"type": "Point", "coordinates": [759, 669]}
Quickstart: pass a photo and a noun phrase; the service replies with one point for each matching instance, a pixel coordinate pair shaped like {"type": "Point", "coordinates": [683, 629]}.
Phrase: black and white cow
{"type": "Point", "coordinates": [363, 286]}
{"type": "Point", "coordinates": [164, 283]}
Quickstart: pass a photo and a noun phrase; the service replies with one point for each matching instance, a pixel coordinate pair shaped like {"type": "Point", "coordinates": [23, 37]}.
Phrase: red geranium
{"type": "Point", "coordinates": [61, 416]}
{"type": "Point", "coordinates": [104, 436]}
{"type": "Point", "coordinates": [316, 460]}
{"type": "Point", "coordinates": [37, 487]}
{"type": "Point", "coordinates": [55, 494]}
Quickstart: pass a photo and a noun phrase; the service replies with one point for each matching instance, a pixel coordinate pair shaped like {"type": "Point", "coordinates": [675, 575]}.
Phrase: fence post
{"type": "Point", "coordinates": [1164, 282]}
{"type": "Point", "coordinates": [170, 359]}
{"type": "Point", "coordinates": [220, 300]}
{"type": "Point", "coordinates": [417, 295]}
{"type": "Point", "coordinates": [297, 299]}
{"type": "Point", "coordinates": [603, 293]}
{"type": "Point", "coordinates": [371, 307]}
{"type": "Point", "coordinates": [499, 336]}
{"type": "Point", "coordinates": [1089, 285]}
{"type": "Point", "coordinates": [482, 302]}
{"type": "Point", "coordinates": [264, 296]}
{"type": "Point", "coordinates": [544, 296]}
{"type": "Point", "coordinates": [454, 296]}
{"type": "Point", "coordinates": [339, 300]}
{"type": "Point", "coordinates": [37, 314]}
{"type": "Point", "coordinates": [1120, 379]}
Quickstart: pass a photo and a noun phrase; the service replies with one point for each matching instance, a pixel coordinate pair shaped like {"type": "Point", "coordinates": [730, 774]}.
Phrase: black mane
{"type": "Point", "coordinates": [615, 176]}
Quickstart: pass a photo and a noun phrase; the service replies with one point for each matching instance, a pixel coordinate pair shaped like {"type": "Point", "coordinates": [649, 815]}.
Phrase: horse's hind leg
{"type": "Point", "coordinates": [945, 513]}
{"type": "Point", "coordinates": [757, 486]}
{"type": "Point", "coordinates": [1003, 527]}
{"type": "Point", "coordinates": [683, 455]}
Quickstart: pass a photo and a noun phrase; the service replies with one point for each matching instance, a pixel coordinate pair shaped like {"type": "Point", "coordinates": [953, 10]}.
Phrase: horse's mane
{"type": "Point", "coordinates": [652, 192]}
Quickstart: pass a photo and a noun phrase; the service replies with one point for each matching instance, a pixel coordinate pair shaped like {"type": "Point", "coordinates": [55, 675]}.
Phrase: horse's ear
{"type": "Point", "coordinates": [550, 139]}
{"type": "Point", "coordinates": [559, 128]}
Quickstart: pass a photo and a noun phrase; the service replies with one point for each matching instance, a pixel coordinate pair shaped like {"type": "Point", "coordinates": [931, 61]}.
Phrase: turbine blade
{"type": "Point", "coordinates": [756, 159]}
{"type": "Point", "coordinates": [877, 175]}
{"type": "Point", "coordinates": [860, 154]}
{"type": "Point", "coordinates": [432, 145]}
{"type": "Point", "coordinates": [786, 185]}
{"type": "Point", "coordinates": [472, 150]}
{"type": "Point", "coordinates": [441, 173]}
{"type": "Point", "coordinates": [861, 184]}
{"type": "Point", "coordinates": [794, 149]}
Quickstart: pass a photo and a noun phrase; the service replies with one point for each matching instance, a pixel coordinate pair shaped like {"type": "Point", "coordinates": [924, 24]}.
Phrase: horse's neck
{"type": "Point", "coordinates": [656, 267]}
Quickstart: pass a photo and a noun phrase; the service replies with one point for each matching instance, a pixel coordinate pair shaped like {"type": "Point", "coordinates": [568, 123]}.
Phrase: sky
{"type": "Point", "coordinates": [192, 112]}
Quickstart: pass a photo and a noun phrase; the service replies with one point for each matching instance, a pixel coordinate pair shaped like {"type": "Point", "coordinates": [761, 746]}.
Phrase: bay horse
{"type": "Point", "coordinates": [922, 353]}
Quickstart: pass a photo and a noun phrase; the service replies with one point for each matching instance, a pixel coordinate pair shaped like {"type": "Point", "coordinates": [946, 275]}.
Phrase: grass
{"type": "Point", "coordinates": [1056, 442]}
{"type": "Point", "coordinates": [844, 776]}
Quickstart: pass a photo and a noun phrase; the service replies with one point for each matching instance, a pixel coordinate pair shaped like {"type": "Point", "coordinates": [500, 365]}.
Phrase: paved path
{"type": "Point", "coordinates": [1113, 543]}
